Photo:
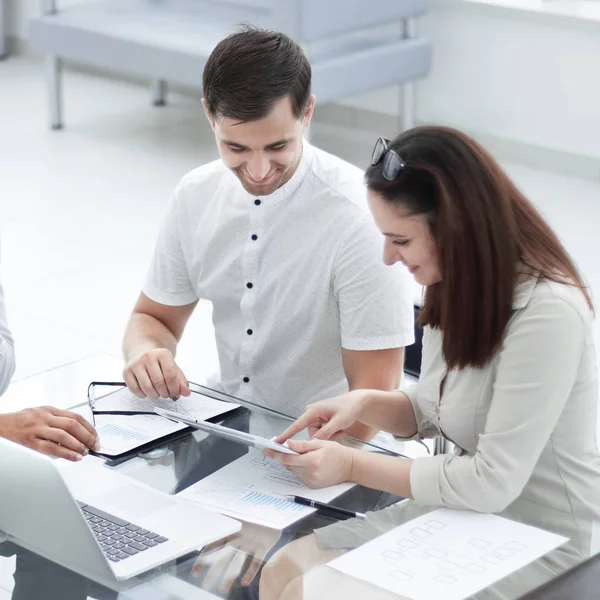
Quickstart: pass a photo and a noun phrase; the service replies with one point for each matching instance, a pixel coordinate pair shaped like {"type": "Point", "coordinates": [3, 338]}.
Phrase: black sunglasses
{"type": "Point", "coordinates": [392, 163]}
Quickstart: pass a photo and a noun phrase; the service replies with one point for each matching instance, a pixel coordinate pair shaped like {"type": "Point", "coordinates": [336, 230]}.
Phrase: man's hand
{"type": "Point", "coordinates": [222, 565]}
{"type": "Point", "coordinates": [51, 431]}
{"type": "Point", "coordinates": [155, 374]}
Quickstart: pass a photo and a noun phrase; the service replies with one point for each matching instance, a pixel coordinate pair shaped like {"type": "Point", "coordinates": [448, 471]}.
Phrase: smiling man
{"type": "Point", "coordinates": [276, 235]}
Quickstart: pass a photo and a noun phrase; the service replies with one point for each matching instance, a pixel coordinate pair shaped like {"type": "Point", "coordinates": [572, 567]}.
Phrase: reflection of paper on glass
{"type": "Point", "coordinates": [196, 405]}
{"type": "Point", "coordinates": [447, 554]}
{"type": "Point", "coordinates": [251, 488]}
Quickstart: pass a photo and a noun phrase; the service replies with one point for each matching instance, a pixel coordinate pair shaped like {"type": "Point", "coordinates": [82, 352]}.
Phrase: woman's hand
{"type": "Point", "coordinates": [319, 464]}
{"type": "Point", "coordinates": [328, 419]}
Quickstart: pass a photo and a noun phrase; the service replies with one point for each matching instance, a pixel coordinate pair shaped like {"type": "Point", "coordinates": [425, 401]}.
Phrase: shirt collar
{"type": "Point", "coordinates": [526, 282]}
{"type": "Point", "coordinates": [291, 186]}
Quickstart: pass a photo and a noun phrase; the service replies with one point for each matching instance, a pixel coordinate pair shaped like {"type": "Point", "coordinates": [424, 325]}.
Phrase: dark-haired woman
{"type": "Point", "coordinates": [508, 372]}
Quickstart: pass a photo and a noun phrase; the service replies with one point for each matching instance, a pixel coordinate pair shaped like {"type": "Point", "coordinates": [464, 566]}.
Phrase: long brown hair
{"type": "Point", "coordinates": [484, 228]}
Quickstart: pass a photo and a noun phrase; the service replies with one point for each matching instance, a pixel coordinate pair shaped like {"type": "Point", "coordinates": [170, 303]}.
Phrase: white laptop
{"type": "Point", "coordinates": [97, 522]}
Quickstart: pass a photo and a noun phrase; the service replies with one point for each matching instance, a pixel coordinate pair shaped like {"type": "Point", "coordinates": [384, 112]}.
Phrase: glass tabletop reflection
{"type": "Point", "coordinates": [251, 564]}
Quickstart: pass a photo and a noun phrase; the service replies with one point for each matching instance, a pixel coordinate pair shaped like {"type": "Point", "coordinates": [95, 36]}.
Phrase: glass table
{"type": "Point", "coordinates": [231, 568]}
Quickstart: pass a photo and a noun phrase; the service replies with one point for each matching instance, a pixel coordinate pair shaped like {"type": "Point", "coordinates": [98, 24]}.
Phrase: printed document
{"type": "Point", "coordinates": [195, 406]}
{"type": "Point", "coordinates": [448, 554]}
{"type": "Point", "coordinates": [122, 433]}
{"type": "Point", "coordinates": [252, 487]}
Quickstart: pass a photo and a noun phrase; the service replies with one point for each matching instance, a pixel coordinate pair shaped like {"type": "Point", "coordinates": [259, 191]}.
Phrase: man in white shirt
{"type": "Point", "coordinates": [276, 235]}
{"type": "Point", "coordinates": [46, 429]}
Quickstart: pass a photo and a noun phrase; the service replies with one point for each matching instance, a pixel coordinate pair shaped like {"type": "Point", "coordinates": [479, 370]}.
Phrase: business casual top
{"type": "Point", "coordinates": [524, 426]}
{"type": "Point", "coordinates": [293, 277]}
{"type": "Point", "coordinates": [524, 429]}
{"type": "Point", "coordinates": [7, 348]}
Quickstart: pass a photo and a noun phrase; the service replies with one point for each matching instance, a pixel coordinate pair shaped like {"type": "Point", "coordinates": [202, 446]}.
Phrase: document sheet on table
{"type": "Point", "coordinates": [252, 487]}
{"type": "Point", "coordinates": [448, 554]}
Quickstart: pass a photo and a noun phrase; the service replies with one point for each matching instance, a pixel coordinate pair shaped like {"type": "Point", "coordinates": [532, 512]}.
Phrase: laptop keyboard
{"type": "Point", "coordinates": [119, 539]}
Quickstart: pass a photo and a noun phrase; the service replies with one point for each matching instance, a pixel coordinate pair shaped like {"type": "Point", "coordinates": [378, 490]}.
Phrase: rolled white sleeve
{"type": "Point", "coordinates": [7, 348]}
{"type": "Point", "coordinates": [425, 427]}
{"type": "Point", "coordinates": [375, 301]}
{"type": "Point", "coordinates": [537, 368]}
{"type": "Point", "coordinates": [168, 281]}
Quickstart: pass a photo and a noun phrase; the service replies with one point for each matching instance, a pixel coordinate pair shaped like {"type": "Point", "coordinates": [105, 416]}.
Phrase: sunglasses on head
{"type": "Point", "coordinates": [392, 163]}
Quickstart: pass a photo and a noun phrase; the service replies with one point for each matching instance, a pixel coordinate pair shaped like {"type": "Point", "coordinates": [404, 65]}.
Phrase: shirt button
{"type": "Point", "coordinates": [249, 285]}
{"type": "Point", "coordinates": [246, 379]}
{"type": "Point", "coordinates": [257, 202]}
{"type": "Point", "coordinates": [254, 237]}
{"type": "Point", "coordinates": [249, 331]}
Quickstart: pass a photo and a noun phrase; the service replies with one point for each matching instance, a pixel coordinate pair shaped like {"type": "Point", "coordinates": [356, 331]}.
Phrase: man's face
{"type": "Point", "coordinates": [263, 154]}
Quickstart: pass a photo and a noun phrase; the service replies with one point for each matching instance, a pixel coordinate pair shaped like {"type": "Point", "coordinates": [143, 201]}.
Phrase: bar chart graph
{"type": "Point", "coordinates": [257, 499]}
{"type": "Point", "coordinates": [254, 488]}
{"type": "Point", "coordinates": [111, 430]}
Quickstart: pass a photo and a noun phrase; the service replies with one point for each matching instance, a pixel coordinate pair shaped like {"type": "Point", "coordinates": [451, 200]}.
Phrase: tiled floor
{"type": "Point", "coordinates": [79, 210]}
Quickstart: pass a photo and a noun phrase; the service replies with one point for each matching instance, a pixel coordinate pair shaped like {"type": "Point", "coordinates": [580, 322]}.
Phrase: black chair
{"type": "Point", "coordinates": [412, 356]}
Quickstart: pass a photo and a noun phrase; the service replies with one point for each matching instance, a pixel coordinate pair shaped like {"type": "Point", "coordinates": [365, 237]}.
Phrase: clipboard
{"type": "Point", "coordinates": [135, 432]}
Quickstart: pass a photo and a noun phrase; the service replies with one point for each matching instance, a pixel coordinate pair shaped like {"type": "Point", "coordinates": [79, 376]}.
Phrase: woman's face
{"type": "Point", "coordinates": [407, 240]}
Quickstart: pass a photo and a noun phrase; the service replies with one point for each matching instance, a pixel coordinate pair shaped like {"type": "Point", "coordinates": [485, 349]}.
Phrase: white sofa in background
{"type": "Point", "coordinates": [170, 40]}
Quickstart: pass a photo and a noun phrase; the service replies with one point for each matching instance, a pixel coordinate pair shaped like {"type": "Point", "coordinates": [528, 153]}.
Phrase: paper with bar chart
{"type": "Point", "coordinates": [252, 487]}
{"type": "Point", "coordinates": [121, 433]}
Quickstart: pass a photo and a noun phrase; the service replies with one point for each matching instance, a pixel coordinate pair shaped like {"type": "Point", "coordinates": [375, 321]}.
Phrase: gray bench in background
{"type": "Point", "coordinates": [170, 40]}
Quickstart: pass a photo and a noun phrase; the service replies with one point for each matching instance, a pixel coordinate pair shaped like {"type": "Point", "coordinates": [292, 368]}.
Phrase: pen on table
{"type": "Point", "coordinates": [334, 511]}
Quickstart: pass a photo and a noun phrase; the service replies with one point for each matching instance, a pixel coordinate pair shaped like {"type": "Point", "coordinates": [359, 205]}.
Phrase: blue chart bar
{"type": "Point", "coordinates": [114, 430]}
{"type": "Point", "coordinates": [271, 501]}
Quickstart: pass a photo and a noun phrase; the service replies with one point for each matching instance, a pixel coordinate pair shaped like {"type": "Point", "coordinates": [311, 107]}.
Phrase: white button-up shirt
{"type": "Point", "coordinates": [293, 277]}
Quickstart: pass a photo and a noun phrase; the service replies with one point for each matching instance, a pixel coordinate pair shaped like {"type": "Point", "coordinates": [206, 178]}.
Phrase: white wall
{"type": "Point", "coordinates": [499, 74]}
{"type": "Point", "coordinates": [509, 77]}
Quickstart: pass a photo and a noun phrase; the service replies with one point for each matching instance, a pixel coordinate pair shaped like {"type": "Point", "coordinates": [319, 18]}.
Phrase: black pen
{"type": "Point", "coordinates": [334, 511]}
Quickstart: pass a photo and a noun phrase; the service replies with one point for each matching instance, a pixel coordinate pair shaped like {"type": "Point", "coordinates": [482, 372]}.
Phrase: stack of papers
{"type": "Point", "coordinates": [252, 487]}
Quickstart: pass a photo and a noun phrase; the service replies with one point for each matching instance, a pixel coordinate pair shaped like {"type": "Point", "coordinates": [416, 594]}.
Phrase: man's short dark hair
{"type": "Point", "coordinates": [250, 70]}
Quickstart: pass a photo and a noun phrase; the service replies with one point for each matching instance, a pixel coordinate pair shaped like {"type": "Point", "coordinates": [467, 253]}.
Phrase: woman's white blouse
{"type": "Point", "coordinates": [525, 425]}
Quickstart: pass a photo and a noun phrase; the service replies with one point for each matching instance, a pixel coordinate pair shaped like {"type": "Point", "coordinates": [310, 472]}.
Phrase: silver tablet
{"type": "Point", "coordinates": [225, 432]}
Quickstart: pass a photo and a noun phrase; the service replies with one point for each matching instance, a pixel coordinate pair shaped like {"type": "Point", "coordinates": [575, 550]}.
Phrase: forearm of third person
{"type": "Point", "coordinates": [373, 369]}
{"type": "Point", "coordinates": [144, 333]}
